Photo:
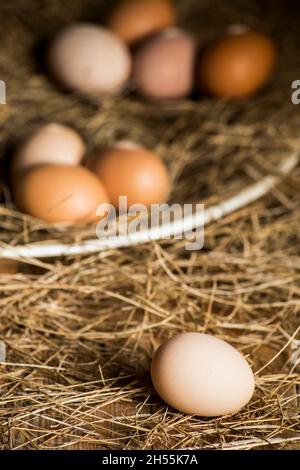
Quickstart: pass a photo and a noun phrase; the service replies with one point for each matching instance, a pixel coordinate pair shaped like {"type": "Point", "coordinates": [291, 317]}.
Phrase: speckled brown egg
{"type": "Point", "coordinates": [237, 64]}
{"type": "Point", "coordinates": [90, 59]}
{"type": "Point", "coordinates": [52, 144]}
{"type": "Point", "coordinates": [60, 193]}
{"type": "Point", "coordinates": [133, 20]}
{"type": "Point", "coordinates": [132, 171]}
{"type": "Point", "coordinates": [164, 66]}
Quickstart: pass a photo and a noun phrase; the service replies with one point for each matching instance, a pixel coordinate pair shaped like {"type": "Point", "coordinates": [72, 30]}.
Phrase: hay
{"type": "Point", "coordinates": [79, 332]}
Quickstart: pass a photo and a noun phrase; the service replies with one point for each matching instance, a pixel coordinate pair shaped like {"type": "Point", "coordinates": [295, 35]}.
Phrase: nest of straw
{"type": "Point", "coordinates": [80, 332]}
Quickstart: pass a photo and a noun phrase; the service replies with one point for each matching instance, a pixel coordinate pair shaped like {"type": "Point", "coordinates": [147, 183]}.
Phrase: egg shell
{"type": "Point", "coordinates": [134, 20]}
{"type": "Point", "coordinates": [202, 375]}
{"type": "Point", "coordinates": [52, 144]}
{"type": "Point", "coordinates": [164, 65]}
{"type": "Point", "coordinates": [132, 171]}
{"type": "Point", "coordinates": [60, 193]}
{"type": "Point", "coordinates": [90, 59]}
{"type": "Point", "coordinates": [238, 64]}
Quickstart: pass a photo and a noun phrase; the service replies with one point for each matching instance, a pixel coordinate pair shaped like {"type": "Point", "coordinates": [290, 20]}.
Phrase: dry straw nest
{"type": "Point", "coordinates": [80, 331]}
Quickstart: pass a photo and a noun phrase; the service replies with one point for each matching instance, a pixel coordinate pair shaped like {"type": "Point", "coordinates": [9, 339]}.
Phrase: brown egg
{"type": "Point", "coordinates": [237, 64]}
{"type": "Point", "coordinates": [132, 171]}
{"type": "Point", "coordinates": [202, 375]}
{"type": "Point", "coordinates": [52, 144]}
{"type": "Point", "coordinates": [164, 65]}
{"type": "Point", "coordinates": [60, 193]}
{"type": "Point", "coordinates": [134, 20]}
{"type": "Point", "coordinates": [90, 59]}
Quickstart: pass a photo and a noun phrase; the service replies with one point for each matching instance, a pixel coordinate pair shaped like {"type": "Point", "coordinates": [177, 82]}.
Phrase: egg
{"type": "Point", "coordinates": [52, 144]}
{"type": "Point", "coordinates": [128, 169]}
{"type": "Point", "coordinates": [237, 64]}
{"type": "Point", "coordinates": [60, 193]}
{"type": "Point", "coordinates": [90, 59]}
{"type": "Point", "coordinates": [164, 66]}
{"type": "Point", "coordinates": [202, 375]}
{"type": "Point", "coordinates": [133, 20]}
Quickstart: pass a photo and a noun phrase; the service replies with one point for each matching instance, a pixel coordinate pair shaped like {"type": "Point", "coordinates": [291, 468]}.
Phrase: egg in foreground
{"type": "Point", "coordinates": [51, 144]}
{"type": "Point", "coordinates": [202, 375]}
{"type": "Point", "coordinates": [130, 170]}
{"type": "Point", "coordinates": [60, 193]}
